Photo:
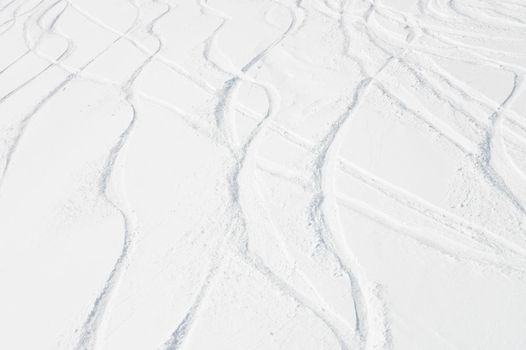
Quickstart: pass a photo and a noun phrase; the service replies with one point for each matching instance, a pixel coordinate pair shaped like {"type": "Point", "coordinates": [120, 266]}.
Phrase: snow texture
{"type": "Point", "coordinates": [262, 174]}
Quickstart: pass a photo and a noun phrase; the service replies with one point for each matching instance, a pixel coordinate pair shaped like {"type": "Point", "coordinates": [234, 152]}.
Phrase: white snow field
{"type": "Point", "coordinates": [262, 174]}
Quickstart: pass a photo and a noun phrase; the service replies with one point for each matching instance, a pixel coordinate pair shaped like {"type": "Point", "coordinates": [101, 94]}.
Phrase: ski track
{"type": "Point", "coordinates": [290, 216]}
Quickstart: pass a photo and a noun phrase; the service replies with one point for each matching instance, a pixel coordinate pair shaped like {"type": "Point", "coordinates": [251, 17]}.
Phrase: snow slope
{"type": "Point", "coordinates": [262, 174]}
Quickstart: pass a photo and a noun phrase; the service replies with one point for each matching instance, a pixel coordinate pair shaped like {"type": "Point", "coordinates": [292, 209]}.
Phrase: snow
{"type": "Point", "coordinates": [262, 174]}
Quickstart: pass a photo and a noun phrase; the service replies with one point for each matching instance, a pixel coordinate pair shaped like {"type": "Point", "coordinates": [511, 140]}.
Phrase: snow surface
{"type": "Point", "coordinates": [262, 174]}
